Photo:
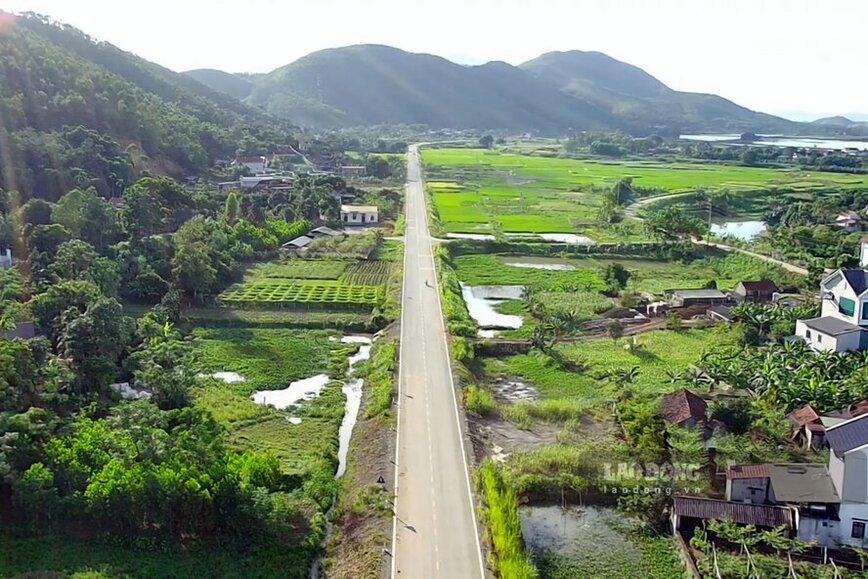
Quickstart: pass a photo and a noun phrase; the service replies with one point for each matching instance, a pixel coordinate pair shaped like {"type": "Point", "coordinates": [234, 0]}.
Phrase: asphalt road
{"type": "Point", "coordinates": [435, 532]}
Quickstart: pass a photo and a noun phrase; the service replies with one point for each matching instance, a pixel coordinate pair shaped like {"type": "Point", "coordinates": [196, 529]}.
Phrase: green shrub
{"type": "Point", "coordinates": [479, 401]}
{"type": "Point", "coordinates": [462, 349]}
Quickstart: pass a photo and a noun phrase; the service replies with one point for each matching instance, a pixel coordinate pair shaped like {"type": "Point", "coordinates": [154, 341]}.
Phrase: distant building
{"type": "Point", "coordinates": [359, 214]}
{"type": "Point", "coordinates": [720, 314]}
{"type": "Point", "coordinates": [117, 202]}
{"type": "Point", "coordinates": [323, 232]}
{"type": "Point", "coordinates": [808, 429]}
{"type": "Point", "coordinates": [682, 298]}
{"type": "Point", "coordinates": [299, 242]}
{"type": "Point", "coordinates": [755, 291]}
{"type": "Point", "coordinates": [256, 165]}
{"type": "Point", "coordinates": [22, 331]}
{"type": "Point", "coordinates": [683, 408]}
{"type": "Point", "coordinates": [265, 182]}
{"type": "Point", "coordinates": [353, 171]}
{"type": "Point", "coordinates": [849, 221]}
{"type": "Point", "coordinates": [5, 258]}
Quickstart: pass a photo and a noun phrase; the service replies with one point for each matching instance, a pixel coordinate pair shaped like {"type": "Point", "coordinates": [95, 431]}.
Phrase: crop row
{"type": "Point", "coordinates": [370, 273]}
{"type": "Point", "coordinates": [270, 293]}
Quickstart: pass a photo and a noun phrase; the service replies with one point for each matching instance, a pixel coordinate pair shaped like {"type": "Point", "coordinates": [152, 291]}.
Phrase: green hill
{"type": "Point", "coordinates": [371, 85]}
{"type": "Point", "coordinates": [79, 112]}
{"type": "Point", "coordinates": [556, 92]}
{"type": "Point", "coordinates": [634, 96]}
{"type": "Point", "coordinates": [235, 85]}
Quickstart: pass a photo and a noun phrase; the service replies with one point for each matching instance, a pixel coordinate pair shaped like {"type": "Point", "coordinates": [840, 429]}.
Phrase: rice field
{"type": "Point", "coordinates": [476, 190]}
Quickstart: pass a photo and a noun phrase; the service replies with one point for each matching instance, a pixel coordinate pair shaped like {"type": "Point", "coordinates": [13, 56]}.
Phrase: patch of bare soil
{"type": "Point", "coordinates": [499, 438]}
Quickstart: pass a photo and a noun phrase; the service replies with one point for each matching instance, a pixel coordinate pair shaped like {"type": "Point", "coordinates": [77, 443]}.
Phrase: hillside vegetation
{"type": "Point", "coordinates": [80, 112]}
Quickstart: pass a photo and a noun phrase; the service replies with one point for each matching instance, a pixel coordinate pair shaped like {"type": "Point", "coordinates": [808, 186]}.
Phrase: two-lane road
{"type": "Point", "coordinates": [435, 532]}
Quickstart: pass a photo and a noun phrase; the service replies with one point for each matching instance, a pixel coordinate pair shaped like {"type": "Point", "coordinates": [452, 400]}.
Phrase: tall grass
{"type": "Point", "coordinates": [379, 376]}
{"type": "Point", "coordinates": [458, 319]}
{"type": "Point", "coordinates": [503, 526]}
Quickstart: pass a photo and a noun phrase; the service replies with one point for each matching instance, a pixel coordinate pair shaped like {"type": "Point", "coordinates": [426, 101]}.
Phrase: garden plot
{"type": "Point", "coordinates": [302, 293]}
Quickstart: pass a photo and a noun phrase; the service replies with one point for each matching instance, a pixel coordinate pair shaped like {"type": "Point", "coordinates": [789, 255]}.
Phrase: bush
{"type": "Point", "coordinates": [479, 401]}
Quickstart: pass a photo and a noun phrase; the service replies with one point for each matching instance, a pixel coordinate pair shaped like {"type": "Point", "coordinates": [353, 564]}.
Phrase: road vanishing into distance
{"type": "Point", "coordinates": [434, 530]}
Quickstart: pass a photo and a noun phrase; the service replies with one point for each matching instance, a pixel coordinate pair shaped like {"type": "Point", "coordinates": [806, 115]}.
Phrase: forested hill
{"type": "Point", "coordinates": [555, 93]}
{"type": "Point", "coordinates": [77, 112]}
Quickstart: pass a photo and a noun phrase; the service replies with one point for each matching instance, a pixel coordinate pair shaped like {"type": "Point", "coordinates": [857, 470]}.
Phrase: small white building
{"type": "Point", "coordinates": [5, 258]}
{"type": "Point", "coordinates": [359, 214]}
{"type": "Point", "coordinates": [849, 221]}
{"type": "Point", "coordinates": [353, 171]}
{"type": "Point", "coordinates": [256, 165]}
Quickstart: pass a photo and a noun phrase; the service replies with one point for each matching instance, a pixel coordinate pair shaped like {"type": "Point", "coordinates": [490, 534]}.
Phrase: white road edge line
{"type": "Point", "coordinates": [451, 380]}
{"type": "Point", "coordinates": [398, 400]}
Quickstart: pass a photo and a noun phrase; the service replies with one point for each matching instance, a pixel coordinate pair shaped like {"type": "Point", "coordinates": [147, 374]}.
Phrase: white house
{"type": "Point", "coordinates": [6, 258]}
{"type": "Point", "coordinates": [359, 214]}
{"type": "Point", "coordinates": [848, 467]}
{"type": "Point", "coordinates": [843, 319]}
{"type": "Point", "coordinates": [849, 221]}
{"type": "Point", "coordinates": [256, 165]}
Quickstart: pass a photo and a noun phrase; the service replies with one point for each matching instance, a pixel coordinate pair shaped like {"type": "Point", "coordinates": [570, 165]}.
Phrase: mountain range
{"type": "Point", "coordinates": [553, 93]}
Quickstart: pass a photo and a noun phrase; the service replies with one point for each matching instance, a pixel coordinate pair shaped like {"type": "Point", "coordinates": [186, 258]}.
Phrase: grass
{"type": "Point", "coordinates": [658, 352]}
{"type": "Point", "coordinates": [492, 270]}
{"type": "Point", "coordinates": [378, 373]}
{"type": "Point", "coordinates": [277, 318]}
{"type": "Point", "coordinates": [502, 523]}
{"type": "Point", "coordinates": [268, 358]}
{"type": "Point", "coordinates": [647, 558]}
{"type": "Point", "coordinates": [476, 190]}
{"type": "Point", "coordinates": [55, 557]}
{"type": "Point", "coordinates": [647, 275]}
{"type": "Point", "coordinates": [479, 401]}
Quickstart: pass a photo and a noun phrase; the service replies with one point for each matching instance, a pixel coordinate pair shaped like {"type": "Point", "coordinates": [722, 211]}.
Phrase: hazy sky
{"type": "Point", "coordinates": [791, 57]}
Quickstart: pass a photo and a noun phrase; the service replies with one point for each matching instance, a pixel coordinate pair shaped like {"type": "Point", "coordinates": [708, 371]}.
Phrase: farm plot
{"type": "Point", "coordinates": [310, 294]}
{"type": "Point", "coordinates": [366, 273]}
{"type": "Point", "coordinates": [301, 269]}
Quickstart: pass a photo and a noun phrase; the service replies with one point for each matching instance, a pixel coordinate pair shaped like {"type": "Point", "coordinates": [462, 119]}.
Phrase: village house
{"type": "Point", "coordinates": [256, 165]}
{"type": "Point", "coordinates": [353, 171]}
{"type": "Point", "coordinates": [755, 291]}
{"type": "Point", "coordinates": [297, 244]}
{"type": "Point", "coordinates": [849, 221]}
{"type": "Point", "coordinates": [683, 408]}
{"type": "Point", "coordinates": [844, 312]}
{"type": "Point", "coordinates": [807, 428]}
{"type": "Point", "coordinates": [359, 214]}
{"type": "Point", "coordinates": [828, 504]}
{"type": "Point", "coordinates": [22, 330]}
{"type": "Point", "coordinates": [682, 298]}
{"type": "Point", "coordinates": [5, 258]}
{"type": "Point", "coordinates": [720, 314]}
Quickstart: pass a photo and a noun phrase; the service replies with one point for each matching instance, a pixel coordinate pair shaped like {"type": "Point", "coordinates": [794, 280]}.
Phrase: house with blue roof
{"type": "Point", "coordinates": [843, 322]}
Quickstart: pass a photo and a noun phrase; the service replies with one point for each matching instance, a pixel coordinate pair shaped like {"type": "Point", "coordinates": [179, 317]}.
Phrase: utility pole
{"type": "Point", "coordinates": [708, 235]}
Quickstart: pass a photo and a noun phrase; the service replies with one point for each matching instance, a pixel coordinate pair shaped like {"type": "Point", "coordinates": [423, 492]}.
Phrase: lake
{"type": "Point", "coordinates": [744, 230]}
{"type": "Point", "coordinates": [783, 141]}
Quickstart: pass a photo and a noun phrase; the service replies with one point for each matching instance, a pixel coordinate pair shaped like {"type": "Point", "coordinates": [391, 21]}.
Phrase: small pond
{"type": "Point", "coordinates": [744, 230]}
{"type": "Point", "coordinates": [481, 300]}
{"type": "Point", "coordinates": [551, 263]}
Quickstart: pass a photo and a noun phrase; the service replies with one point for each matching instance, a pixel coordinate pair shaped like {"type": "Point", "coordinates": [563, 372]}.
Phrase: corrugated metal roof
{"type": "Point", "coordinates": [742, 513]}
{"type": "Point", "coordinates": [747, 471]}
{"type": "Point", "coordinates": [846, 436]}
{"type": "Point", "coordinates": [831, 326]}
{"type": "Point", "coordinates": [298, 241]}
{"type": "Point", "coordinates": [802, 483]}
{"type": "Point", "coordinates": [699, 293]}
